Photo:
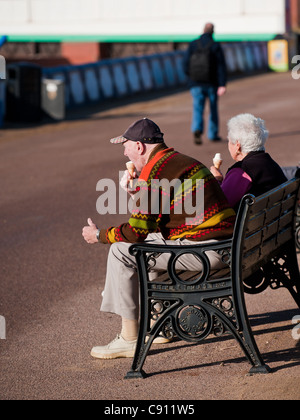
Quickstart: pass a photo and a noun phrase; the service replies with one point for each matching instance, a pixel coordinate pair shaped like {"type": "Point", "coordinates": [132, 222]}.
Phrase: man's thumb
{"type": "Point", "coordinates": [90, 222]}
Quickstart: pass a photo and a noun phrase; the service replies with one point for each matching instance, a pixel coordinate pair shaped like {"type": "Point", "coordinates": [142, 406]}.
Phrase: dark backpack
{"type": "Point", "coordinates": [201, 63]}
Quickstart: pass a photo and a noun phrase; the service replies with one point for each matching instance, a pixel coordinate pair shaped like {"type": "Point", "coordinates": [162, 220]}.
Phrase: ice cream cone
{"type": "Point", "coordinates": [131, 169]}
{"type": "Point", "coordinates": [217, 160]}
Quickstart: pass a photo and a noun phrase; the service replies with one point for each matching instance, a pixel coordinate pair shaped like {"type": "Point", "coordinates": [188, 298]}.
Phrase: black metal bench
{"type": "Point", "coordinates": [298, 226]}
{"type": "Point", "coordinates": [192, 306]}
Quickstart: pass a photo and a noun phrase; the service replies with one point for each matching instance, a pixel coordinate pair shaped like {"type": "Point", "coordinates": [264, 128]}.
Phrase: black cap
{"type": "Point", "coordinates": [145, 131]}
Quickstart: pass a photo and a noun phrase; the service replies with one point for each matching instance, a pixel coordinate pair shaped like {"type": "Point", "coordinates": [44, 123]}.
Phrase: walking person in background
{"type": "Point", "coordinates": [204, 63]}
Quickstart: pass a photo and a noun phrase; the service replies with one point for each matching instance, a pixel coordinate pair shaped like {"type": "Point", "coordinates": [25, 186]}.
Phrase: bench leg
{"type": "Point", "coordinates": [141, 352]}
{"type": "Point", "coordinates": [284, 272]}
{"type": "Point", "coordinates": [259, 370]}
{"type": "Point", "coordinates": [143, 344]}
{"type": "Point", "coordinates": [132, 374]}
{"type": "Point", "coordinates": [245, 338]}
{"type": "Point", "coordinates": [252, 352]}
{"type": "Point", "coordinates": [243, 332]}
{"type": "Point", "coordinates": [137, 371]}
{"type": "Point", "coordinates": [147, 333]}
{"type": "Point", "coordinates": [294, 282]}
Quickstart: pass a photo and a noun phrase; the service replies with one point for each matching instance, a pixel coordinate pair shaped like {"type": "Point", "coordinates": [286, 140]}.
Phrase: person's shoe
{"type": "Point", "coordinates": [217, 138]}
{"type": "Point", "coordinates": [116, 349]}
{"type": "Point", "coordinates": [197, 137]}
{"type": "Point", "coordinates": [160, 339]}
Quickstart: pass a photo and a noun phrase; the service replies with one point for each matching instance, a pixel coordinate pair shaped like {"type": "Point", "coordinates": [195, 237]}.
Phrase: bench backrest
{"type": "Point", "coordinates": [264, 225]}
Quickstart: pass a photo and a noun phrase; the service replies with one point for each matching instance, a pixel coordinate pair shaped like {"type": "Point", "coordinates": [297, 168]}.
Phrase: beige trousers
{"type": "Point", "coordinates": [121, 292]}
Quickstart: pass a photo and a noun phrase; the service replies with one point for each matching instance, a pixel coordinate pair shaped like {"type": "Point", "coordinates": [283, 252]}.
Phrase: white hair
{"type": "Point", "coordinates": [249, 131]}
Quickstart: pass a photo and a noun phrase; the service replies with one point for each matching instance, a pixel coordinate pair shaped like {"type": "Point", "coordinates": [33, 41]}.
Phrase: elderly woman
{"type": "Point", "coordinates": [254, 172]}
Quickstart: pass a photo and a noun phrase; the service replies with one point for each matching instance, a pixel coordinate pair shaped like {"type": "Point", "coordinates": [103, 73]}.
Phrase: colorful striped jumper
{"type": "Point", "coordinates": [178, 197]}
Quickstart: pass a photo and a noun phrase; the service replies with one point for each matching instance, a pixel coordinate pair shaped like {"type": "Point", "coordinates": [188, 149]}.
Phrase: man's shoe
{"type": "Point", "coordinates": [197, 137]}
{"type": "Point", "coordinates": [160, 339]}
{"type": "Point", "coordinates": [116, 349]}
{"type": "Point", "coordinates": [217, 138]}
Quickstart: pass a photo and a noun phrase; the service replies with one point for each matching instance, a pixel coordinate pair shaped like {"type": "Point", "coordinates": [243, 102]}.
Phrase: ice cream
{"type": "Point", "coordinates": [217, 160]}
{"type": "Point", "coordinates": [131, 169]}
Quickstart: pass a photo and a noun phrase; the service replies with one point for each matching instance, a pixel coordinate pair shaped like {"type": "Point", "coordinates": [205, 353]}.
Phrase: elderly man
{"type": "Point", "coordinates": [144, 145]}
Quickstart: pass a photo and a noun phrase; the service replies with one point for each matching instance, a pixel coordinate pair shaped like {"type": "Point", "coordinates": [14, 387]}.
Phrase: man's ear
{"type": "Point", "coordinates": [141, 148]}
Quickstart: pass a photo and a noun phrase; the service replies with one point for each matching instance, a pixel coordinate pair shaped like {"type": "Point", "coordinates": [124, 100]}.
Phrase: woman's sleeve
{"type": "Point", "coordinates": [235, 185]}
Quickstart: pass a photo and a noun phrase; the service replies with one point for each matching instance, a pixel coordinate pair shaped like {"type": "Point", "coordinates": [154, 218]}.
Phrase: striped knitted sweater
{"type": "Point", "coordinates": [161, 206]}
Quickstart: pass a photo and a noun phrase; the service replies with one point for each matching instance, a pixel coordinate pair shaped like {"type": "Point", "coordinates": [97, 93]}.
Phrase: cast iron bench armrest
{"type": "Point", "coordinates": [211, 246]}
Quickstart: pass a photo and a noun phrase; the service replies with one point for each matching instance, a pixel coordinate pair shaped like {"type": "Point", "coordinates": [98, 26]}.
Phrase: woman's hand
{"type": "Point", "coordinates": [216, 173]}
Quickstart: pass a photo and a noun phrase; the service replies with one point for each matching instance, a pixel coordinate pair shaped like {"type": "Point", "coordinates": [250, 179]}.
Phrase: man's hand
{"type": "Point", "coordinates": [221, 90]}
{"type": "Point", "coordinates": [125, 183]}
{"type": "Point", "coordinates": [90, 232]}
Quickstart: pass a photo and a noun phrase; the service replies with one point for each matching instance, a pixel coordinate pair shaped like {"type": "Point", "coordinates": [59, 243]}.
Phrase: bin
{"type": "Point", "coordinates": [23, 93]}
{"type": "Point", "coordinates": [53, 98]}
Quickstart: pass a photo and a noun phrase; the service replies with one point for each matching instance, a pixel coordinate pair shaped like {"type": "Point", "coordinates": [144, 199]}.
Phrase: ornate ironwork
{"type": "Point", "coordinates": [256, 283]}
{"type": "Point", "coordinates": [193, 322]}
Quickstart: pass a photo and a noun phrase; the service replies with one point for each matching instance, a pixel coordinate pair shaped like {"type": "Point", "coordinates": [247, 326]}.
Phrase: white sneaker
{"type": "Point", "coordinates": [116, 349]}
{"type": "Point", "coordinates": [160, 339]}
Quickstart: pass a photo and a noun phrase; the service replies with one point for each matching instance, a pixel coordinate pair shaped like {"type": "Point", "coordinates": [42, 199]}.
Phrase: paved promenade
{"type": "Point", "coordinates": [51, 280]}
